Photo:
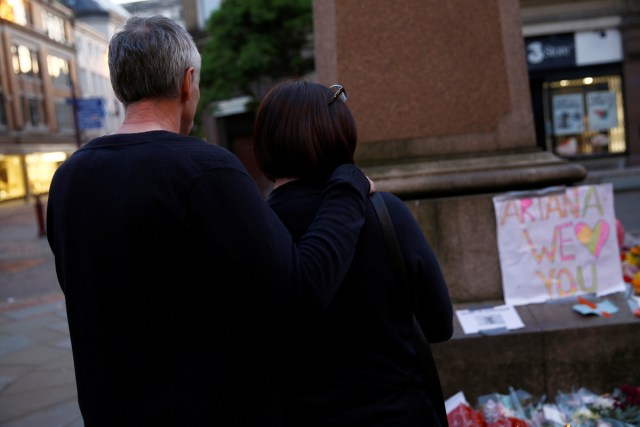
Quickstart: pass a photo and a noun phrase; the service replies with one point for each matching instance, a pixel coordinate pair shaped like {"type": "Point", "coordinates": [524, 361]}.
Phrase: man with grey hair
{"type": "Point", "coordinates": [171, 261]}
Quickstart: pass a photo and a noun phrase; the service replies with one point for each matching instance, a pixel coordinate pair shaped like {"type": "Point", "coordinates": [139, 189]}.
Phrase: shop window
{"type": "Point", "coordinates": [584, 117]}
{"type": "Point", "coordinates": [40, 169]}
{"type": "Point", "coordinates": [11, 178]}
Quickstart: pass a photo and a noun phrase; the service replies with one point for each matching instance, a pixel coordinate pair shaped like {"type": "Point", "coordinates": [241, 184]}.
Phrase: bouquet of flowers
{"type": "Point", "coordinates": [631, 267]}
{"type": "Point", "coordinates": [579, 408]}
{"type": "Point", "coordinates": [623, 405]}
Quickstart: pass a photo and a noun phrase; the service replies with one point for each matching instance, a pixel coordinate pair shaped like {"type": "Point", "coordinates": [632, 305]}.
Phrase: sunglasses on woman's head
{"type": "Point", "coordinates": [338, 93]}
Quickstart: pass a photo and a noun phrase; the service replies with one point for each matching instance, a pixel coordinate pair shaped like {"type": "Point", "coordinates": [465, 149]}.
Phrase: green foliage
{"type": "Point", "coordinates": [253, 43]}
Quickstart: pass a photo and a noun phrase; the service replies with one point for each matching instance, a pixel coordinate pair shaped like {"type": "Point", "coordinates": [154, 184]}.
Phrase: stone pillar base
{"type": "Point", "coordinates": [452, 199]}
{"type": "Point", "coordinates": [473, 174]}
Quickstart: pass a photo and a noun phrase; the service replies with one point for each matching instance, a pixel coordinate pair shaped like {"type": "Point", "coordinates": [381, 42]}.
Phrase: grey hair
{"type": "Point", "coordinates": [148, 57]}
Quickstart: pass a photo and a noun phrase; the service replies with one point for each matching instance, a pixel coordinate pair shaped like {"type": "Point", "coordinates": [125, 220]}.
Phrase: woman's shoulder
{"type": "Point", "coordinates": [400, 213]}
{"type": "Point", "coordinates": [390, 198]}
{"type": "Point", "coordinates": [393, 202]}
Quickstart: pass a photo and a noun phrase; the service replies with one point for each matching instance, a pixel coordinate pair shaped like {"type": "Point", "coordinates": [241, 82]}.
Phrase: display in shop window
{"type": "Point", "coordinates": [568, 114]}
{"type": "Point", "coordinates": [602, 110]}
{"type": "Point", "coordinates": [567, 146]}
{"type": "Point", "coordinates": [585, 116]}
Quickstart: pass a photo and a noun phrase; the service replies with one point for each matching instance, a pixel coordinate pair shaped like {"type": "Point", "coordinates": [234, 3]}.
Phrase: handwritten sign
{"type": "Point", "coordinates": [558, 242]}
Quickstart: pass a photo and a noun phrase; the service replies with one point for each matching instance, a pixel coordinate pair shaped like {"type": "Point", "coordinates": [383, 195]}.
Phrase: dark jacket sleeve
{"type": "Point", "coordinates": [227, 205]}
{"type": "Point", "coordinates": [434, 308]}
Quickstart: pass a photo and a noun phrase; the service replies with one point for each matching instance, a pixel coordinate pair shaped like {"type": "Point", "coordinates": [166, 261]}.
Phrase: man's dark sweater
{"type": "Point", "coordinates": [170, 262]}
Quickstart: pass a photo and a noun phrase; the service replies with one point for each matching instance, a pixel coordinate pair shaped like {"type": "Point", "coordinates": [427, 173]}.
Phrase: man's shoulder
{"type": "Point", "coordinates": [204, 153]}
{"type": "Point", "coordinates": [180, 148]}
{"type": "Point", "coordinates": [161, 147]}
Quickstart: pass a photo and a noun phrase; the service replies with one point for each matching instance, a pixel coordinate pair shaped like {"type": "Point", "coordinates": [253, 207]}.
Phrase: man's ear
{"type": "Point", "coordinates": [187, 81]}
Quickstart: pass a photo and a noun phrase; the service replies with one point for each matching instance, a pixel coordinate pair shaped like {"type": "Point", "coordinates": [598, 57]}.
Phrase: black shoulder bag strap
{"type": "Point", "coordinates": [425, 358]}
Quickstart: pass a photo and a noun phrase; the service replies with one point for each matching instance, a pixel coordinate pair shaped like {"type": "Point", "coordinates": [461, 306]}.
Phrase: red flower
{"type": "Point", "coordinates": [629, 396]}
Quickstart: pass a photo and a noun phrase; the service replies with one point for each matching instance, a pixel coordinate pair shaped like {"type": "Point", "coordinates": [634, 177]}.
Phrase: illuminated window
{"type": "Point", "coordinates": [11, 177]}
{"type": "Point", "coordinates": [40, 169]}
{"type": "Point", "coordinates": [14, 11]}
{"type": "Point", "coordinates": [54, 27]}
{"type": "Point", "coordinates": [58, 70]}
{"type": "Point", "coordinates": [585, 117]}
{"type": "Point", "coordinates": [25, 61]}
{"type": "Point", "coordinates": [25, 64]}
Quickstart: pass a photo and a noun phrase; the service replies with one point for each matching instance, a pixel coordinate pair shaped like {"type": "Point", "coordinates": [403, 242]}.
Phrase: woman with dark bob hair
{"type": "Point", "coordinates": [357, 364]}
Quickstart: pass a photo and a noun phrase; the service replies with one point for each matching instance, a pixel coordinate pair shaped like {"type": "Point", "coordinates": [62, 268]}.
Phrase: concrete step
{"type": "Point", "coordinates": [557, 350]}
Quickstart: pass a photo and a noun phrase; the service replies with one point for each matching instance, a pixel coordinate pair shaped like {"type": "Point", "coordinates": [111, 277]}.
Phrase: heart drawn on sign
{"type": "Point", "coordinates": [593, 238]}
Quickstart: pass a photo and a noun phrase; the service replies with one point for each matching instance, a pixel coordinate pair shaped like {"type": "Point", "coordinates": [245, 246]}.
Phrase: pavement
{"type": "Point", "coordinates": [37, 381]}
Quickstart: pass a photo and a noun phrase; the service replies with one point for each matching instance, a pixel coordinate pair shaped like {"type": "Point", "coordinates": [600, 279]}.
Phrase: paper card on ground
{"type": "Point", "coordinates": [605, 308]}
{"type": "Point", "coordinates": [475, 321]}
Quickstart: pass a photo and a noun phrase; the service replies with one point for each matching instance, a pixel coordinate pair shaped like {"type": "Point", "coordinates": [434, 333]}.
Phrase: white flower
{"type": "Point", "coordinates": [603, 403]}
{"type": "Point", "coordinates": [583, 414]}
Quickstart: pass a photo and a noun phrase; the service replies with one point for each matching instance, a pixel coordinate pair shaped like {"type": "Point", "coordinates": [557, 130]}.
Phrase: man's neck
{"type": "Point", "coordinates": [150, 114]}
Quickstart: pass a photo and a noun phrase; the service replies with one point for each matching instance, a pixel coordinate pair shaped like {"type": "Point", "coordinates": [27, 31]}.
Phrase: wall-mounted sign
{"type": "Point", "coordinates": [555, 51]}
{"type": "Point", "coordinates": [91, 112]}
{"type": "Point", "coordinates": [569, 50]}
{"type": "Point", "coordinates": [598, 47]}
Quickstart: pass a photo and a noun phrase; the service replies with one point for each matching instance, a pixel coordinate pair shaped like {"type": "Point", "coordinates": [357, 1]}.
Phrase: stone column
{"type": "Point", "coordinates": [440, 93]}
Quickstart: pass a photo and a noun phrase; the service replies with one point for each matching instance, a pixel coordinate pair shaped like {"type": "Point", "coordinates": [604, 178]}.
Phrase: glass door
{"type": "Point", "coordinates": [584, 117]}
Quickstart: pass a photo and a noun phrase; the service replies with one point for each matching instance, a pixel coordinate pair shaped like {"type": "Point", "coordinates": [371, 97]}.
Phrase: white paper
{"type": "Point", "coordinates": [454, 401]}
{"type": "Point", "coordinates": [553, 414]}
{"type": "Point", "coordinates": [558, 242]}
{"type": "Point", "coordinates": [502, 316]}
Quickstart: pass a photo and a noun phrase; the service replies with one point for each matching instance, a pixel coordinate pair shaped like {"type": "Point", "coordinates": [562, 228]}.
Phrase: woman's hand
{"type": "Point", "coordinates": [372, 186]}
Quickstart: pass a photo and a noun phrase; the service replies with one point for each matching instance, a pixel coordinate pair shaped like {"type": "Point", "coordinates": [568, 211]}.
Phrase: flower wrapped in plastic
{"type": "Point", "coordinates": [622, 406]}
{"type": "Point", "coordinates": [503, 410]}
{"type": "Point", "coordinates": [465, 416]}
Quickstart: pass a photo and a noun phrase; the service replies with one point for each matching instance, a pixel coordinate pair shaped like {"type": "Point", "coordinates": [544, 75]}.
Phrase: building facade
{"type": "Point", "coordinates": [583, 59]}
{"type": "Point", "coordinates": [172, 9]}
{"type": "Point", "coordinates": [93, 76]}
{"type": "Point", "coordinates": [55, 92]}
{"type": "Point", "coordinates": [95, 23]}
{"type": "Point", "coordinates": [37, 79]}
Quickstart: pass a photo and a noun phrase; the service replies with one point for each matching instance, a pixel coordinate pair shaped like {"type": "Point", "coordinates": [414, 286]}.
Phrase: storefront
{"type": "Point", "coordinates": [23, 175]}
{"type": "Point", "coordinates": [577, 93]}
